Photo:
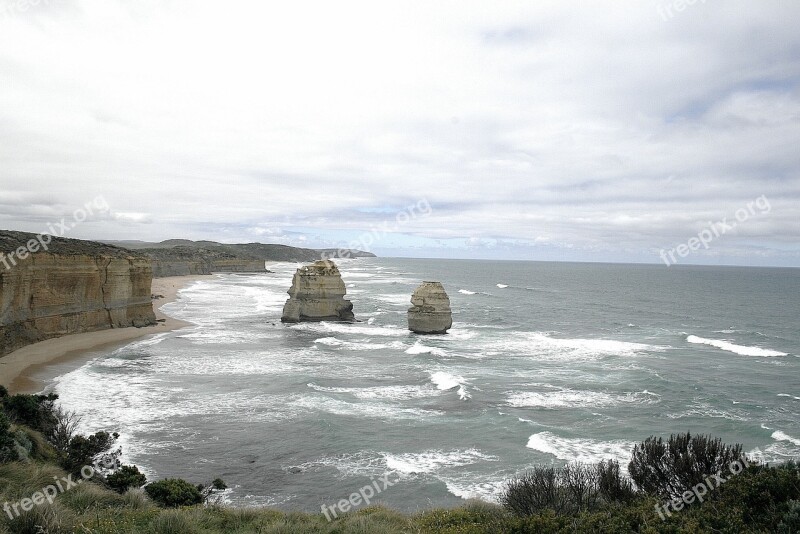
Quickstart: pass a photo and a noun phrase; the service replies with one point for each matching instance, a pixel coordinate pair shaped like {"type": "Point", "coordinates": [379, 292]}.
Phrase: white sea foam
{"type": "Point", "coordinates": [787, 395]}
{"type": "Point", "coordinates": [445, 381]}
{"type": "Point", "coordinates": [782, 436]}
{"type": "Point", "coordinates": [543, 346]}
{"type": "Point", "coordinates": [502, 286]}
{"type": "Point", "coordinates": [466, 488]}
{"type": "Point", "coordinates": [398, 300]}
{"type": "Point", "coordinates": [379, 410]}
{"type": "Point", "coordinates": [568, 398]}
{"type": "Point", "coordinates": [397, 392]}
{"type": "Point", "coordinates": [737, 349]}
{"type": "Point", "coordinates": [419, 348]}
{"type": "Point", "coordinates": [703, 410]}
{"type": "Point", "coordinates": [435, 460]}
{"type": "Point", "coordinates": [466, 292]}
{"type": "Point", "coordinates": [581, 449]}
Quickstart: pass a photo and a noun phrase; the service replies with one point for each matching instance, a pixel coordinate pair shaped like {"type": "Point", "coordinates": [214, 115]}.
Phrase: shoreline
{"type": "Point", "coordinates": [30, 368]}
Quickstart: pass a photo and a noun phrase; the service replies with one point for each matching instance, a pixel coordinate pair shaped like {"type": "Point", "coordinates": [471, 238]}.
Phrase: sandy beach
{"type": "Point", "coordinates": [22, 371]}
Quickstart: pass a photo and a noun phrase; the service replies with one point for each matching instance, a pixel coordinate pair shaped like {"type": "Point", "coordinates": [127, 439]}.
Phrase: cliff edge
{"type": "Point", "coordinates": [51, 287]}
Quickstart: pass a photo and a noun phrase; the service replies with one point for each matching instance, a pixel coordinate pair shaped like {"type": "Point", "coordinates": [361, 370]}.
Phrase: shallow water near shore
{"type": "Point", "coordinates": [546, 362]}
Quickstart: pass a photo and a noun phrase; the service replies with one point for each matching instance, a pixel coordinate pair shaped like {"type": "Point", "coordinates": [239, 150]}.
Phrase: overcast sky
{"type": "Point", "coordinates": [591, 131]}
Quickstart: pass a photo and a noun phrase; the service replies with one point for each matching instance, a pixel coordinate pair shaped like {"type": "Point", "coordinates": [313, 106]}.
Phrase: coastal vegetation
{"type": "Point", "coordinates": [39, 445]}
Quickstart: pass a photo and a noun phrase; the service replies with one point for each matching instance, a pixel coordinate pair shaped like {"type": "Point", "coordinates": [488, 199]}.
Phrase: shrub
{"type": "Point", "coordinates": [8, 448]}
{"type": "Point", "coordinates": [174, 492]}
{"type": "Point", "coordinates": [83, 451]}
{"type": "Point", "coordinates": [667, 469]}
{"type": "Point", "coordinates": [128, 476]}
{"type": "Point", "coordinates": [34, 411]}
{"type": "Point", "coordinates": [612, 484]}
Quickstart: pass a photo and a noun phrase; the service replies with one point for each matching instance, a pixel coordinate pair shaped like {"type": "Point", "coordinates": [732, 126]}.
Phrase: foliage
{"type": "Point", "coordinates": [34, 411]}
{"type": "Point", "coordinates": [174, 492]}
{"type": "Point", "coordinates": [91, 450]}
{"type": "Point", "coordinates": [667, 469]}
{"type": "Point", "coordinates": [126, 477]}
{"type": "Point", "coordinates": [8, 450]}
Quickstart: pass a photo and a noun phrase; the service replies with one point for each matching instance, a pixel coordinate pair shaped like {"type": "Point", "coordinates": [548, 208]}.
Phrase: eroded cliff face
{"type": "Point", "coordinates": [317, 294]}
{"type": "Point", "coordinates": [73, 286]}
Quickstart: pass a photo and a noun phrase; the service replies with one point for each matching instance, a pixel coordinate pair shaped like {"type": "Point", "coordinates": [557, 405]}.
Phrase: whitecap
{"type": "Point", "coordinates": [419, 348]}
{"type": "Point", "coordinates": [502, 286]}
{"type": "Point", "coordinates": [445, 381]}
{"type": "Point", "coordinates": [568, 398]}
{"type": "Point", "coordinates": [380, 410]}
{"type": "Point", "coordinates": [466, 292]}
{"type": "Point", "coordinates": [737, 349]}
{"type": "Point", "coordinates": [583, 450]}
{"type": "Point", "coordinates": [782, 436]}
{"type": "Point", "coordinates": [787, 395]}
{"type": "Point", "coordinates": [396, 392]}
{"type": "Point", "coordinates": [435, 460]}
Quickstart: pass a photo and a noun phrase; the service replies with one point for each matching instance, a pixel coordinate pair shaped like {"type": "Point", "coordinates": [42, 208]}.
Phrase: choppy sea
{"type": "Point", "coordinates": [546, 363]}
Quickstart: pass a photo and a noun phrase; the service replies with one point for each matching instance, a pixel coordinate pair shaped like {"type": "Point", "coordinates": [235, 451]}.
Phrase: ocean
{"type": "Point", "coordinates": [546, 363]}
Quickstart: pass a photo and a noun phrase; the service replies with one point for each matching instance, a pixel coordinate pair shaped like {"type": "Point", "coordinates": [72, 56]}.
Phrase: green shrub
{"type": "Point", "coordinates": [128, 476]}
{"type": "Point", "coordinates": [667, 469]}
{"type": "Point", "coordinates": [8, 448]}
{"type": "Point", "coordinates": [34, 411]}
{"type": "Point", "coordinates": [174, 492]}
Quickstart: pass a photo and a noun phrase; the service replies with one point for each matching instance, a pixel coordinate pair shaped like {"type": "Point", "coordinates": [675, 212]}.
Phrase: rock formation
{"type": "Point", "coordinates": [317, 294]}
{"type": "Point", "coordinates": [430, 313]}
{"type": "Point", "coordinates": [68, 286]}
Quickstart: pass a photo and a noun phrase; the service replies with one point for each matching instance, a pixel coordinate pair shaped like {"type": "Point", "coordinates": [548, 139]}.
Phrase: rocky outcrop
{"type": "Point", "coordinates": [69, 286]}
{"type": "Point", "coordinates": [317, 294]}
{"type": "Point", "coordinates": [430, 313]}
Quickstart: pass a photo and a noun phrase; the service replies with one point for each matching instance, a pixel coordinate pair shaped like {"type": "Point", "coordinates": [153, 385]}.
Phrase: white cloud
{"type": "Point", "coordinates": [597, 126]}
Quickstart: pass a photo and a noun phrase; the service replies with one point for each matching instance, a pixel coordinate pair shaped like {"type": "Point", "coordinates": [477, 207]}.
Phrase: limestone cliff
{"type": "Point", "coordinates": [430, 313]}
{"type": "Point", "coordinates": [317, 294]}
{"type": "Point", "coordinates": [69, 286]}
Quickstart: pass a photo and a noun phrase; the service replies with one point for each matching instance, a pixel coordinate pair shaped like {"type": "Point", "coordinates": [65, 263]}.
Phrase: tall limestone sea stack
{"type": "Point", "coordinates": [430, 313]}
{"type": "Point", "coordinates": [317, 294]}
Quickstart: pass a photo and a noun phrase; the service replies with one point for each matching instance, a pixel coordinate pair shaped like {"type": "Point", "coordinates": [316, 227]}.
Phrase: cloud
{"type": "Point", "coordinates": [544, 126]}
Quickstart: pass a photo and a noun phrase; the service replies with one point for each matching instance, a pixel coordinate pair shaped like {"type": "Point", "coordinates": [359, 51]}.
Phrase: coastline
{"type": "Point", "coordinates": [25, 370]}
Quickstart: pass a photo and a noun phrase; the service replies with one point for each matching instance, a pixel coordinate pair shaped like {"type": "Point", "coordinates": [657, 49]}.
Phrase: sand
{"type": "Point", "coordinates": [28, 369]}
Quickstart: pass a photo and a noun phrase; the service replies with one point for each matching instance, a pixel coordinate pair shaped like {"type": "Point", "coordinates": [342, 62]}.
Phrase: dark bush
{"type": "Point", "coordinates": [83, 451]}
{"type": "Point", "coordinates": [128, 476]}
{"type": "Point", "coordinates": [174, 492]}
{"type": "Point", "coordinates": [668, 468]}
{"type": "Point", "coordinates": [8, 450]}
{"type": "Point", "coordinates": [612, 485]}
{"type": "Point", "coordinates": [34, 411]}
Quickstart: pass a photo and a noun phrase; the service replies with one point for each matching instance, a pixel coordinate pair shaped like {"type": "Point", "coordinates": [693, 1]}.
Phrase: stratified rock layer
{"type": "Point", "coordinates": [73, 286]}
{"type": "Point", "coordinates": [317, 294]}
{"type": "Point", "coordinates": [430, 313]}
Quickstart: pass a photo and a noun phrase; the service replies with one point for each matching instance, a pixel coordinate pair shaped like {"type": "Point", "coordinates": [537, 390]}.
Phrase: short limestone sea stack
{"type": "Point", "coordinates": [430, 313]}
{"type": "Point", "coordinates": [317, 294]}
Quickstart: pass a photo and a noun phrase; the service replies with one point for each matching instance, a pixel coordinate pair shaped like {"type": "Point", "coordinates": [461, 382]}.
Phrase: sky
{"type": "Point", "coordinates": [563, 131]}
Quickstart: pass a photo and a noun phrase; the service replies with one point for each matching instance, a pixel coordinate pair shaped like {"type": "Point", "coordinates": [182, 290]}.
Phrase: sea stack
{"type": "Point", "coordinates": [317, 294]}
{"type": "Point", "coordinates": [430, 313]}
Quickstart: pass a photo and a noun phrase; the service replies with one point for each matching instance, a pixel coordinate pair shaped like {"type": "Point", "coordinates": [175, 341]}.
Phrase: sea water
{"type": "Point", "coordinates": [546, 363]}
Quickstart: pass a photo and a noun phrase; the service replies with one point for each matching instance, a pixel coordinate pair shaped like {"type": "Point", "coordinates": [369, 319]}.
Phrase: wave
{"type": "Point", "coordinates": [419, 348]}
{"type": "Point", "coordinates": [583, 450]}
{"type": "Point", "coordinates": [380, 410]}
{"type": "Point", "coordinates": [435, 460]}
{"type": "Point", "coordinates": [782, 436]}
{"type": "Point", "coordinates": [787, 395]}
{"type": "Point", "coordinates": [398, 392]}
{"type": "Point", "coordinates": [543, 346]}
{"type": "Point", "coordinates": [466, 292]}
{"type": "Point", "coordinates": [737, 349]}
{"type": "Point", "coordinates": [502, 286]}
{"type": "Point", "coordinates": [705, 410]}
{"type": "Point", "coordinates": [568, 398]}
{"type": "Point", "coordinates": [445, 382]}
{"type": "Point", "coordinates": [349, 328]}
